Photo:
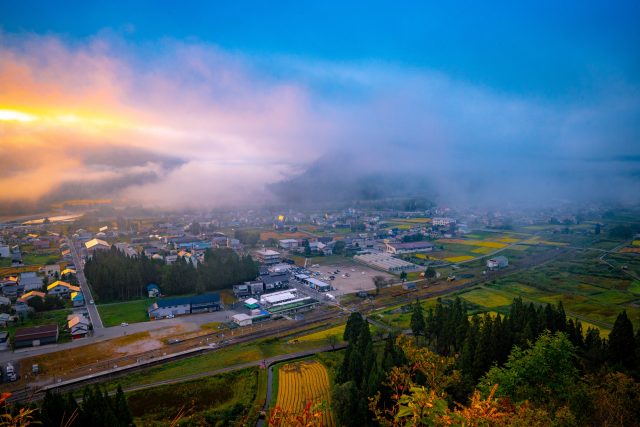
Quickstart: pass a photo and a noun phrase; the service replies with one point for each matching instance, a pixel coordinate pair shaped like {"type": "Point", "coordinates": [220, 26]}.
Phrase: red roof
{"type": "Point", "coordinates": [36, 332]}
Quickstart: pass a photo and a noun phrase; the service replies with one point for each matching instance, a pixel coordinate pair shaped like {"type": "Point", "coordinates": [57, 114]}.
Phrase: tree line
{"type": "Point", "coordinates": [97, 409]}
{"type": "Point", "coordinates": [114, 276]}
{"type": "Point", "coordinates": [532, 366]}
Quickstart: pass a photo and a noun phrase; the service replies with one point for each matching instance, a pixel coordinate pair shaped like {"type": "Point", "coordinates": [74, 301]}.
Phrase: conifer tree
{"type": "Point", "coordinates": [622, 343]}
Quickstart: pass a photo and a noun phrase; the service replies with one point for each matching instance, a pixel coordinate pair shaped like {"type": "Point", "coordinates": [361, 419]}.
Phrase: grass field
{"type": "Point", "coordinates": [485, 298]}
{"type": "Point", "coordinates": [130, 311]}
{"type": "Point", "coordinates": [320, 336]}
{"type": "Point", "coordinates": [220, 400]}
{"type": "Point", "coordinates": [36, 259]}
{"type": "Point", "coordinates": [227, 356]}
{"type": "Point", "coordinates": [302, 383]}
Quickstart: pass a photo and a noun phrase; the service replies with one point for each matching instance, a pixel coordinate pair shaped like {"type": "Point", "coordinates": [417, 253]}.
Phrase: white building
{"type": "Point", "coordinates": [443, 221]}
{"type": "Point", "coordinates": [242, 319]}
{"type": "Point", "coordinates": [5, 251]}
{"type": "Point", "coordinates": [288, 243]}
{"type": "Point", "coordinates": [268, 257]}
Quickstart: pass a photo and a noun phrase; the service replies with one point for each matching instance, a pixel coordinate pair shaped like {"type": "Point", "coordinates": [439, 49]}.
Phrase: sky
{"type": "Point", "coordinates": [206, 104]}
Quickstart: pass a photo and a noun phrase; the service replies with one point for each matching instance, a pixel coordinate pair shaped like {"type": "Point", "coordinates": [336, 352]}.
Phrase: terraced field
{"type": "Point", "coordinates": [304, 382]}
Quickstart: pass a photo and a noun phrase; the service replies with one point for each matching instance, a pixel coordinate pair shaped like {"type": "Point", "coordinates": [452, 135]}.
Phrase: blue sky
{"type": "Point", "coordinates": [467, 95]}
{"type": "Point", "coordinates": [548, 48]}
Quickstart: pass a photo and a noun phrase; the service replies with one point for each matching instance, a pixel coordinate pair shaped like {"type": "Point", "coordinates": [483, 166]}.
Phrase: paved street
{"type": "Point", "coordinates": [94, 315]}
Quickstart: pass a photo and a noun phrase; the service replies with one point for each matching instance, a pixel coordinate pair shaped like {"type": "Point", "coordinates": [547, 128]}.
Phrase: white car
{"type": "Point", "coordinates": [123, 324]}
{"type": "Point", "coordinates": [91, 302]}
{"type": "Point", "coordinates": [170, 316]}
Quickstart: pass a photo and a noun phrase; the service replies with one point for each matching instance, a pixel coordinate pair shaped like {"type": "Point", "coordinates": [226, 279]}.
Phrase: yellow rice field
{"type": "Point", "coordinates": [304, 382]}
{"type": "Point", "coordinates": [483, 250]}
{"type": "Point", "coordinates": [508, 240]}
{"type": "Point", "coordinates": [321, 335]}
{"type": "Point", "coordinates": [470, 242]}
{"type": "Point", "coordinates": [636, 243]}
{"type": "Point", "coordinates": [459, 258]}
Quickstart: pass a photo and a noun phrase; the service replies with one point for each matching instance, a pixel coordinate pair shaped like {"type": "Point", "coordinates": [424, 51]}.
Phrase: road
{"type": "Point", "coordinates": [94, 315]}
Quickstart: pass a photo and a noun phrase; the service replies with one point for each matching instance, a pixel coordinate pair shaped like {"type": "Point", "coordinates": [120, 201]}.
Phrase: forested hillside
{"type": "Point", "coordinates": [532, 367]}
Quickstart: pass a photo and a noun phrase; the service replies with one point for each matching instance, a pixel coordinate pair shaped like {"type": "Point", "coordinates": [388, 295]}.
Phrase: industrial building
{"type": "Point", "coordinates": [36, 336]}
{"type": "Point", "coordinates": [268, 257]}
{"type": "Point", "coordinates": [184, 305]}
{"type": "Point", "coordinates": [408, 247]}
{"type": "Point", "coordinates": [497, 262]}
{"type": "Point", "coordinates": [386, 262]}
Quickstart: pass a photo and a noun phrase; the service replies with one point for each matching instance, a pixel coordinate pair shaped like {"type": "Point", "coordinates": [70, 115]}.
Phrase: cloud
{"type": "Point", "coordinates": [186, 124]}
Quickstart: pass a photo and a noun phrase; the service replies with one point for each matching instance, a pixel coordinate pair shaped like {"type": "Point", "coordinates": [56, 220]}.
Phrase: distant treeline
{"type": "Point", "coordinates": [97, 409]}
{"type": "Point", "coordinates": [115, 276]}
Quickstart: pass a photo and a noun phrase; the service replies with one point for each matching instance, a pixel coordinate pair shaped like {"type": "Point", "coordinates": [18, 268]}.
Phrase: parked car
{"type": "Point", "coordinates": [170, 316]}
{"type": "Point", "coordinates": [91, 302]}
{"type": "Point", "coordinates": [123, 324]}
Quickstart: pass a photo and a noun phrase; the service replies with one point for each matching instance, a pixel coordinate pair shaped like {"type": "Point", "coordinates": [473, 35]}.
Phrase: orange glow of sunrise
{"type": "Point", "coordinates": [16, 116]}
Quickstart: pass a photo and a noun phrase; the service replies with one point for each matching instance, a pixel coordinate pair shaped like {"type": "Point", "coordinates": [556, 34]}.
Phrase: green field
{"type": "Point", "coordinates": [5, 262]}
{"type": "Point", "coordinates": [485, 298]}
{"type": "Point", "coordinates": [130, 311]}
{"type": "Point", "coordinates": [34, 259]}
{"type": "Point", "coordinates": [236, 354]}
{"type": "Point", "coordinates": [217, 400]}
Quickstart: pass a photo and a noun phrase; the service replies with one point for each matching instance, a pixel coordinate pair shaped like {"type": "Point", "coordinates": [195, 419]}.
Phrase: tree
{"type": "Point", "coordinates": [417, 320]}
{"type": "Point", "coordinates": [622, 343]}
{"type": "Point", "coordinates": [379, 282]}
{"type": "Point", "coordinates": [430, 273]}
{"type": "Point", "coordinates": [544, 374]}
{"type": "Point", "coordinates": [403, 276]}
{"type": "Point", "coordinates": [307, 248]}
{"type": "Point", "coordinates": [339, 246]}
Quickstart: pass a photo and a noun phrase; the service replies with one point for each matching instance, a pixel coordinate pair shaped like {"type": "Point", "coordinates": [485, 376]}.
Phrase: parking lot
{"type": "Point", "coordinates": [349, 276]}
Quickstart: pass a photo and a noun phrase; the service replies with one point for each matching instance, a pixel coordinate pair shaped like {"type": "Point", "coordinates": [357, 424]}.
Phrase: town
{"type": "Point", "coordinates": [319, 214]}
{"type": "Point", "coordinates": [286, 275]}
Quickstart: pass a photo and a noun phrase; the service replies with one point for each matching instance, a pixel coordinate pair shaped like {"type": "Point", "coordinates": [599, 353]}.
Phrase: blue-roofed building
{"type": "Point", "coordinates": [179, 306]}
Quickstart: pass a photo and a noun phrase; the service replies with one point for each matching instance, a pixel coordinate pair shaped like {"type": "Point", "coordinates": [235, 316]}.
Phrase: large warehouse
{"type": "Point", "coordinates": [36, 336]}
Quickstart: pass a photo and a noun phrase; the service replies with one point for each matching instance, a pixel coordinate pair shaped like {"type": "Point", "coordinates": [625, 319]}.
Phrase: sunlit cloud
{"type": "Point", "coordinates": [176, 124]}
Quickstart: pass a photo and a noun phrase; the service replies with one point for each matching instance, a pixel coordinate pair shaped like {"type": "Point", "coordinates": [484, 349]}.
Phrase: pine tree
{"type": "Point", "coordinates": [622, 343]}
{"type": "Point", "coordinates": [121, 409]}
{"type": "Point", "coordinates": [417, 320]}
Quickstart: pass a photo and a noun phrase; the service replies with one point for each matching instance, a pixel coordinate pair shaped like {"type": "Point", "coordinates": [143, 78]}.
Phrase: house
{"type": "Point", "coordinates": [4, 340]}
{"type": "Point", "coordinates": [33, 294]}
{"type": "Point", "coordinates": [153, 290]}
{"type": "Point", "coordinates": [169, 306]}
{"type": "Point", "coordinates": [36, 336]}
{"type": "Point", "coordinates": [77, 299]}
{"type": "Point", "coordinates": [52, 270]}
{"type": "Point", "coordinates": [23, 309]}
{"type": "Point", "coordinates": [5, 252]}
{"type": "Point", "coordinates": [78, 326]}
{"type": "Point", "coordinates": [497, 262]}
{"type": "Point", "coordinates": [10, 289]}
{"type": "Point", "coordinates": [67, 272]}
{"type": "Point", "coordinates": [5, 318]}
{"type": "Point", "coordinates": [29, 281]}
{"type": "Point", "coordinates": [4, 301]}
{"type": "Point", "coordinates": [248, 288]}
{"type": "Point", "coordinates": [408, 247]}
{"type": "Point", "coordinates": [288, 244]}
{"type": "Point", "coordinates": [268, 256]}
{"type": "Point", "coordinates": [275, 281]}
{"type": "Point", "coordinates": [97, 245]}
{"type": "Point", "coordinates": [61, 288]}
{"type": "Point", "coordinates": [242, 319]}
{"type": "Point", "coordinates": [443, 221]}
